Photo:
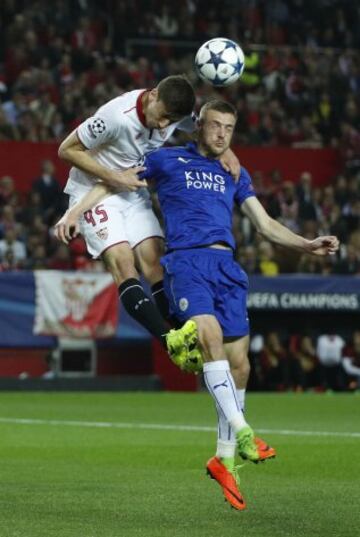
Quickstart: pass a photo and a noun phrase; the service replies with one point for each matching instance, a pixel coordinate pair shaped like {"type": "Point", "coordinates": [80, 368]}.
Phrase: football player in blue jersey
{"type": "Point", "coordinates": [203, 282]}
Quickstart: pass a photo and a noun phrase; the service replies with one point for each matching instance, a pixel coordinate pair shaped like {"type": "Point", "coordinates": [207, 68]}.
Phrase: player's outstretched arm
{"type": "Point", "coordinates": [74, 152]}
{"type": "Point", "coordinates": [68, 226]}
{"type": "Point", "coordinates": [275, 232]}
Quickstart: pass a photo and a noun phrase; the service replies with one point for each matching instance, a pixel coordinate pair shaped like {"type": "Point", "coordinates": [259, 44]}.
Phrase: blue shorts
{"type": "Point", "coordinates": [207, 281]}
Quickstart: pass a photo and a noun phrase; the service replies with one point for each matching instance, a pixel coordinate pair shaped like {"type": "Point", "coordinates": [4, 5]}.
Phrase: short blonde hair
{"type": "Point", "coordinates": [219, 106]}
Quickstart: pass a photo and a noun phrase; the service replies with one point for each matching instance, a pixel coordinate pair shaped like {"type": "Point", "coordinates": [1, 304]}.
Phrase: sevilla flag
{"type": "Point", "coordinates": [76, 305]}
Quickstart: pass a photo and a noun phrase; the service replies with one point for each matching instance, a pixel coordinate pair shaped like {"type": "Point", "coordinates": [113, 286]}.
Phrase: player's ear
{"type": "Point", "coordinates": [154, 94]}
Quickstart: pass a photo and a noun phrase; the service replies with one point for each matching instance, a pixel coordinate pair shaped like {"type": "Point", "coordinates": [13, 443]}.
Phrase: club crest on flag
{"type": "Point", "coordinates": [75, 305]}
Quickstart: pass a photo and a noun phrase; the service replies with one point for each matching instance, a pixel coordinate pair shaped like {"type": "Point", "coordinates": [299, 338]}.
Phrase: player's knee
{"type": "Point", "coordinates": [211, 345]}
{"type": "Point", "coordinates": [121, 269]}
{"type": "Point", "coordinates": [152, 272]}
{"type": "Point", "coordinates": [240, 368]}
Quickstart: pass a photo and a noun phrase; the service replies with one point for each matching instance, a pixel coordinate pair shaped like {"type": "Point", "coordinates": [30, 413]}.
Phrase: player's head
{"type": "Point", "coordinates": [171, 100]}
{"type": "Point", "coordinates": [217, 121]}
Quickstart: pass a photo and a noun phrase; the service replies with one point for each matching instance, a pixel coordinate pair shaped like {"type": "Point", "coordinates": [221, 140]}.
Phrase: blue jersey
{"type": "Point", "coordinates": [196, 196]}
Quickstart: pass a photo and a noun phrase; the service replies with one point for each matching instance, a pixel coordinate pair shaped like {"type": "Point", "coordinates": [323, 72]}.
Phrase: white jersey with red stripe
{"type": "Point", "coordinates": [117, 137]}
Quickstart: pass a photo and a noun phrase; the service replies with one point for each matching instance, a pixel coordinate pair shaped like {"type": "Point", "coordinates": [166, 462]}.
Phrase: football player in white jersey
{"type": "Point", "coordinates": [123, 229]}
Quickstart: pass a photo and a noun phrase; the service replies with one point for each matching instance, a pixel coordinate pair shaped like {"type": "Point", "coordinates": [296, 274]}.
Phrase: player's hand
{"type": "Point", "coordinates": [326, 245]}
{"type": "Point", "coordinates": [231, 164]}
{"type": "Point", "coordinates": [126, 181]}
{"type": "Point", "coordinates": [67, 227]}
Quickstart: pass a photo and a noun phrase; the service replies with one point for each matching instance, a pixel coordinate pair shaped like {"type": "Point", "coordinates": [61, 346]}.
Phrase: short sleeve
{"type": "Point", "coordinates": [98, 130]}
{"type": "Point", "coordinates": [245, 187]}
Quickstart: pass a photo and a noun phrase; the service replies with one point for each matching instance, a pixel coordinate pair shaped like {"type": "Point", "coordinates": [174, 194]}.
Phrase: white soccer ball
{"type": "Point", "coordinates": [220, 61]}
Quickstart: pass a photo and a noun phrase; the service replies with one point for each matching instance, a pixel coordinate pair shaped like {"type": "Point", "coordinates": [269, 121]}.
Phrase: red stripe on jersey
{"type": "Point", "coordinates": [132, 108]}
{"type": "Point", "coordinates": [139, 108]}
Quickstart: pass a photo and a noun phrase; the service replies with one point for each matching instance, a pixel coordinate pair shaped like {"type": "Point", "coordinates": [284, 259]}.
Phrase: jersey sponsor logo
{"type": "Point", "coordinates": [103, 233]}
{"type": "Point", "coordinates": [205, 181]}
{"type": "Point", "coordinates": [97, 126]}
{"type": "Point", "coordinates": [184, 160]}
{"type": "Point", "coordinates": [183, 304]}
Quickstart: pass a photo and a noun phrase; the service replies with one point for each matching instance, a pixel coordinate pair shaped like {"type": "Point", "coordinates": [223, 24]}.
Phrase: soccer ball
{"type": "Point", "coordinates": [220, 61]}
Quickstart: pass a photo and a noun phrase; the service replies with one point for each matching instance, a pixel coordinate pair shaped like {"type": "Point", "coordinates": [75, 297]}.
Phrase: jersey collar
{"type": "Point", "coordinates": [139, 108]}
{"type": "Point", "coordinates": [193, 148]}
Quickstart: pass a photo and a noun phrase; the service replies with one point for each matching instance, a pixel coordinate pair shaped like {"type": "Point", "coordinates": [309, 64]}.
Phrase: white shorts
{"type": "Point", "coordinates": [106, 224]}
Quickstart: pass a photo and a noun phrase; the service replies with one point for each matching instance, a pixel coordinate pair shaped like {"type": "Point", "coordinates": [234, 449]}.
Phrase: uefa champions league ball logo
{"type": "Point", "coordinates": [98, 126]}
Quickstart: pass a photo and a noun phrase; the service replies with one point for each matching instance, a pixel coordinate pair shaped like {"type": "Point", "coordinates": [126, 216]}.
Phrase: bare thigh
{"type": "Point", "coordinates": [147, 257]}
{"type": "Point", "coordinates": [120, 261]}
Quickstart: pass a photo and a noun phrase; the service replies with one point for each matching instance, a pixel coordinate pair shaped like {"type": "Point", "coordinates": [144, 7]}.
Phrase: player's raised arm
{"type": "Point", "coordinates": [75, 152]}
{"type": "Point", "coordinates": [275, 232]}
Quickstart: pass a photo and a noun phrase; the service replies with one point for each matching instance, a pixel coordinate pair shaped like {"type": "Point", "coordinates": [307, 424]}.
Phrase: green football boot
{"type": "Point", "coordinates": [181, 342]}
{"type": "Point", "coordinates": [194, 362]}
{"type": "Point", "coordinates": [247, 447]}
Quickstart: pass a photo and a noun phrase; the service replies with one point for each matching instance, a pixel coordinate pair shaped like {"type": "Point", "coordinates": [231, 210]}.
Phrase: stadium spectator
{"type": "Point", "coordinates": [8, 221]}
{"type": "Point", "coordinates": [267, 263]}
{"type": "Point", "coordinates": [11, 244]}
{"type": "Point", "coordinates": [329, 349]}
{"type": "Point", "coordinates": [351, 362]}
{"type": "Point", "coordinates": [61, 259]}
{"type": "Point", "coordinates": [304, 365]}
{"type": "Point", "coordinates": [49, 190]}
{"type": "Point", "coordinates": [8, 193]}
{"type": "Point", "coordinates": [274, 363]}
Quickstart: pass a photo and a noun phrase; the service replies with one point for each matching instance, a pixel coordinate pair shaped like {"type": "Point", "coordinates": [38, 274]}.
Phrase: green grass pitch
{"type": "Point", "coordinates": [143, 476]}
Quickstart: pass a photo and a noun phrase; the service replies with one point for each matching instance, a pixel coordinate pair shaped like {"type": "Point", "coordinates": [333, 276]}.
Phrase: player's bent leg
{"type": "Point", "coordinates": [181, 345]}
{"type": "Point", "coordinates": [147, 255]}
{"type": "Point", "coordinates": [210, 337]}
{"type": "Point", "coordinates": [220, 383]}
{"type": "Point", "coordinates": [120, 260]}
{"type": "Point", "coordinates": [237, 354]}
{"type": "Point", "coordinates": [227, 481]}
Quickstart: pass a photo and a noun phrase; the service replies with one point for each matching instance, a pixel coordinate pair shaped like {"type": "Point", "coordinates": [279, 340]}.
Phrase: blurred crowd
{"type": "Point", "coordinates": [60, 60]}
{"type": "Point", "coordinates": [302, 362]}
{"type": "Point", "coordinates": [331, 210]}
{"type": "Point", "coordinates": [27, 220]}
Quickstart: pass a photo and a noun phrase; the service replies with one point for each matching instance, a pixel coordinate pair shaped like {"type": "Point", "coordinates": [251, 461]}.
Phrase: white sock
{"type": "Point", "coordinates": [220, 384]}
{"type": "Point", "coordinates": [241, 398]}
{"type": "Point", "coordinates": [225, 449]}
{"type": "Point", "coordinates": [225, 432]}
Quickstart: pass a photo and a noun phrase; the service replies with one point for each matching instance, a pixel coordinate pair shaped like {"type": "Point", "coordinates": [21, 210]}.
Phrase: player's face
{"type": "Point", "coordinates": [215, 132]}
{"type": "Point", "coordinates": [156, 114]}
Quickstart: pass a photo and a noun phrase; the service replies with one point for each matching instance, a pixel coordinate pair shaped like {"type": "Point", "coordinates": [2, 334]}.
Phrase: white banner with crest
{"type": "Point", "coordinates": [75, 304]}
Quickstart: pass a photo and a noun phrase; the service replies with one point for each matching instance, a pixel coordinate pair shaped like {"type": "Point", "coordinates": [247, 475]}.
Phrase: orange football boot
{"type": "Point", "coordinates": [264, 450]}
{"type": "Point", "coordinates": [216, 470]}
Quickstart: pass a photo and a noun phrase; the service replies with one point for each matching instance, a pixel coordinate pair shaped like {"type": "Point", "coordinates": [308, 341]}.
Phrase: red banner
{"type": "Point", "coordinates": [22, 160]}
